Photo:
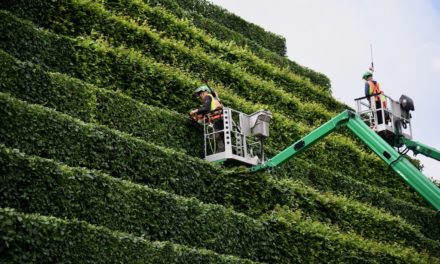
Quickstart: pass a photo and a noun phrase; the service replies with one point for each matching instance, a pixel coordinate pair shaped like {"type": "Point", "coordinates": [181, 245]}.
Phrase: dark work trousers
{"type": "Point", "coordinates": [379, 112]}
{"type": "Point", "coordinates": [219, 137]}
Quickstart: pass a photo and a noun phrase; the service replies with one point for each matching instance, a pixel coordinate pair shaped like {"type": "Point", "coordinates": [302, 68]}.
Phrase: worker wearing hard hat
{"type": "Point", "coordinates": [372, 87]}
{"type": "Point", "coordinates": [211, 112]}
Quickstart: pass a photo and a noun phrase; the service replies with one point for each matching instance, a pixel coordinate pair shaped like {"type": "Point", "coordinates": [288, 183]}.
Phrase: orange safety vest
{"type": "Point", "coordinates": [218, 107]}
{"type": "Point", "coordinates": [375, 89]}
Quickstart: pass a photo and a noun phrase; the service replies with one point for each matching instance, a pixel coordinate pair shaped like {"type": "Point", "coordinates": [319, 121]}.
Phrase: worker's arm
{"type": "Point", "coordinates": [367, 89]}
{"type": "Point", "coordinates": [206, 106]}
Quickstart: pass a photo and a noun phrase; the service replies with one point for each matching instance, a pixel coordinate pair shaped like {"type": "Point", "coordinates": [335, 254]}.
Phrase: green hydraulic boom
{"type": "Point", "coordinates": [419, 148]}
{"type": "Point", "coordinates": [404, 168]}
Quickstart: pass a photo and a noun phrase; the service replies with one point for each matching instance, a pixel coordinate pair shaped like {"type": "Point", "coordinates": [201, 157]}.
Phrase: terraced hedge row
{"type": "Point", "coordinates": [144, 80]}
{"type": "Point", "coordinates": [253, 194]}
{"type": "Point", "coordinates": [361, 218]}
{"type": "Point", "coordinates": [26, 238]}
{"type": "Point", "coordinates": [81, 17]}
{"type": "Point", "coordinates": [187, 8]}
{"type": "Point", "coordinates": [46, 133]}
{"type": "Point", "coordinates": [49, 188]}
{"type": "Point", "coordinates": [233, 38]}
{"type": "Point", "coordinates": [277, 234]}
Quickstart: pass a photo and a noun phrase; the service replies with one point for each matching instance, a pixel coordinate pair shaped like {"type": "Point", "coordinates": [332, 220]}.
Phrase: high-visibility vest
{"type": "Point", "coordinates": [375, 89]}
{"type": "Point", "coordinates": [218, 107]}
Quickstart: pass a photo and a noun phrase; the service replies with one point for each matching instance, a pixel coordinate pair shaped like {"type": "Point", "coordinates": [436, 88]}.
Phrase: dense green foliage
{"type": "Point", "coordinates": [250, 194]}
{"type": "Point", "coordinates": [29, 238]}
{"type": "Point", "coordinates": [65, 192]}
{"type": "Point", "coordinates": [92, 104]}
{"type": "Point", "coordinates": [149, 82]}
{"type": "Point", "coordinates": [112, 83]}
{"type": "Point", "coordinates": [325, 180]}
{"type": "Point", "coordinates": [170, 27]}
{"type": "Point", "coordinates": [115, 110]}
{"type": "Point", "coordinates": [48, 188]}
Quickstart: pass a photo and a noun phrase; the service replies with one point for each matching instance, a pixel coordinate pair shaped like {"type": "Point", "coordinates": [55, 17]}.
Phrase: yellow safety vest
{"type": "Point", "coordinates": [375, 89]}
{"type": "Point", "coordinates": [215, 105]}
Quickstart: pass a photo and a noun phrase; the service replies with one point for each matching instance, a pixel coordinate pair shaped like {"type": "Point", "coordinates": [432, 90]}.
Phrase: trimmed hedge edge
{"type": "Point", "coordinates": [33, 238]}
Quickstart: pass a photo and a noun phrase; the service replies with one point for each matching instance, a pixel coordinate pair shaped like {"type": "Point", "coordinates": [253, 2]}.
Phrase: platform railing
{"type": "Point", "coordinates": [239, 144]}
{"type": "Point", "coordinates": [380, 107]}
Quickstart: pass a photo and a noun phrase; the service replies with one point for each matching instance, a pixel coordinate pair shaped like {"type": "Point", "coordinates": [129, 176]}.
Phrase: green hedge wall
{"type": "Point", "coordinates": [126, 70]}
{"type": "Point", "coordinates": [292, 219]}
{"type": "Point", "coordinates": [106, 107]}
{"type": "Point", "coordinates": [49, 188]}
{"type": "Point", "coordinates": [281, 220]}
{"type": "Point", "coordinates": [138, 77]}
{"type": "Point", "coordinates": [132, 117]}
{"type": "Point", "coordinates": [188, 8]}
{"type": "Point", "coordinates": [32, 238]}
{"type": "Point", "coordinates": [269, 40]}
{"type": "Point", "coordinates": [117, 111]}
{"type": "Point", "coordinates": [353, 216]}
{"type": "Point", "coordinates": [81, 17]}
{"type": "Point", "coordinates": [253, 194]}
{"type": "Point", "coordinates": [289, 128]}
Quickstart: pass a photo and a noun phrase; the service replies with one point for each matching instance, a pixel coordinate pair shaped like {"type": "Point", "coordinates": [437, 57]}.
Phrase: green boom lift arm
{"type": "Point", "coordinates": [423, 149]}
{"type": "Point", "coordinates": [405, 169]}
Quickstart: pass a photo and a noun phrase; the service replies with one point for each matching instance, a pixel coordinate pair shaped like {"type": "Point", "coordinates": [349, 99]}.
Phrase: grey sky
{"type": "Point", "coordinates": [333, 37]}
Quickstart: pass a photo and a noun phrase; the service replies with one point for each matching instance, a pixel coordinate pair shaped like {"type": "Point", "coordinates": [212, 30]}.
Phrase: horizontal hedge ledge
{"type": "Point", "coordinates": [33, 238]}
{"type": "Point", "coordinates": [50, 134]}
{"type": "Point", "coordinates": [35, 185]}
{"type": "Point", "coordinates": [172, 26]}
{"type": "Point", "coordinates": [268, 65]}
